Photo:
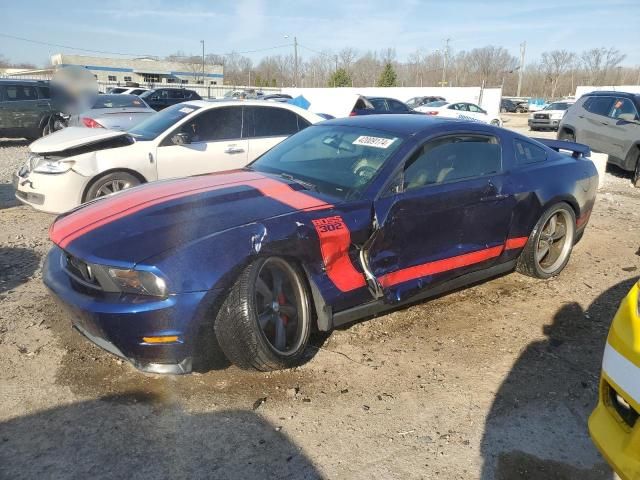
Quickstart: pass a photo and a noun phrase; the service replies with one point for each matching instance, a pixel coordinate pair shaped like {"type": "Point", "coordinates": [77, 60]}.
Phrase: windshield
{"type": "Point", "coordinates": [153, 126]}
{"type": "Point", "coordinates": [337, 160]}
{"type": "Point", "coordinates": [558, 106]}
{"type": "Point", "coordinates": [118, 101]}
{"type": "Point", "coordinates": [439, 103]}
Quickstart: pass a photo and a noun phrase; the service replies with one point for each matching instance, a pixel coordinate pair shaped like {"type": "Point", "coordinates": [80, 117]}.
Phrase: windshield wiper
{"type": "Point", "coordinates": [306, 185]}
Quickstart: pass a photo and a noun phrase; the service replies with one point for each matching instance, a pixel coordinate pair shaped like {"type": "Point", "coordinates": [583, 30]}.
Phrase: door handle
{"type": "Point", "coordinates": [604, 123]}
{"type": "Point", "coordinates": [580, 116]}
{"type": "Point", "coordinates": [233, 149]}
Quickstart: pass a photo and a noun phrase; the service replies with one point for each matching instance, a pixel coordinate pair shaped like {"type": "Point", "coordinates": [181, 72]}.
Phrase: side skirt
{"type": "Point", "coordinates": [378, 306]}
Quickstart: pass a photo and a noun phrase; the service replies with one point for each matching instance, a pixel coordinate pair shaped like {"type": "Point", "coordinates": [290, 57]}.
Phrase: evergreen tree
{"type": "Point", "coordinates": [340, 78]}
{"type": "Point", "coordinates": [388, 77]}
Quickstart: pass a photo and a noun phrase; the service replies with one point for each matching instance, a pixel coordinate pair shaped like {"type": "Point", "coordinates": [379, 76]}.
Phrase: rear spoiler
{"type": "Point", "coordinates": [578, 149]}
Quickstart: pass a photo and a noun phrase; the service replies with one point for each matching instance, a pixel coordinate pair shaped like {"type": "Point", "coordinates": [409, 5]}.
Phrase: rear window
{"type": "Point", "coordinates": [118, 101]}
{"type": "Point", "coordinates": [527, 153]}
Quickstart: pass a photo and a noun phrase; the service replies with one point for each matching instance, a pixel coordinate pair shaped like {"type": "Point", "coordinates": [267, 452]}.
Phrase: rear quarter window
{"type": "Point", "coordinates": [527, 153]}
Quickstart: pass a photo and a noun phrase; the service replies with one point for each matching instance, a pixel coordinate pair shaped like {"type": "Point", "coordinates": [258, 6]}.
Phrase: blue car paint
{"type": "Point", "coordinates": [200, 243]}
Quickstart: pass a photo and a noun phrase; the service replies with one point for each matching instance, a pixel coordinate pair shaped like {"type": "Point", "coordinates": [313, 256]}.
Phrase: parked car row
{"type": "Point", "coordinates": [75, 165]}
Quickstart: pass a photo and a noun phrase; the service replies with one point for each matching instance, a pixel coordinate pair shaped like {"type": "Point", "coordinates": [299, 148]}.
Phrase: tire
{"type": "Point", "coordinates": [566, 136]}
{"type": "Point", "coordinates": [495, 122]}
{"type": "Point", "coordinates": [249, 319]}
{"type": "Point", "coordinates": [636, 174]}
{"type": "Point", "coordinates": [533, 261]}
{"type": "Point", "coordinates": [111, 183]}
{"type": "Point", "coordinates": [503, 110]}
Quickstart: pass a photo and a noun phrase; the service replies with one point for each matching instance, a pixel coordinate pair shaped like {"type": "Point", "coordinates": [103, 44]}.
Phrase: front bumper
{"type": "Point", "coordinates": [614, 429]}
{"type": "Point", "coordinates": [544, 123]}
{"type": "Point", "coordinates": [118, 323]}
{"type": "Point", "coordinates": [51, 193]}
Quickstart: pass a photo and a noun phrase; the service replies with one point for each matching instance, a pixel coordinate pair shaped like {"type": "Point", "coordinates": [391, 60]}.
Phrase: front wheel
{"type": "Point", "coordinates": [636, 174]}
{"type": "Point", "coordinates": [265, 321]}
{"type": "Point", "coordinates": [111, 183]}
{"type": "Point", "coordinates": [566, 136]}
{"type": "Point", "coordinates": [550, 244]}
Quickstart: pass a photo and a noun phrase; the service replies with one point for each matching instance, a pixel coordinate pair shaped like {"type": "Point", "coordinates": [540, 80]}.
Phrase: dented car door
{"type": "Point", "coordinates": [450, 217]}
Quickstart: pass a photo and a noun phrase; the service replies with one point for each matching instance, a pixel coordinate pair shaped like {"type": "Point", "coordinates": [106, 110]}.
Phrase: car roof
{"type": "Point", "coordinates": [220, 102]}
{"type": "Point", "coordinates": [401, 124]}
{"type": "Point", "coordinates": [607, 93]}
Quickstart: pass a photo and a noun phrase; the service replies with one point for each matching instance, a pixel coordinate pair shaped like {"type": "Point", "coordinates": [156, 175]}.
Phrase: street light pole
{"type": "Point", "coordinates": [202, 42]}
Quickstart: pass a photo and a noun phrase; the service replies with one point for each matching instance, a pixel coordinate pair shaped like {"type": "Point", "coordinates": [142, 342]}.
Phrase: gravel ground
{"type": "Point", "coordinates": [494, 381]}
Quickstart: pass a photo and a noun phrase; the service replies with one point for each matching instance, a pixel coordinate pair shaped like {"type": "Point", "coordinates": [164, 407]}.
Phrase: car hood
{"type": "Point", "coordinates": [128, 227]}
{"type": "Point", "coordinates": [72, 137]}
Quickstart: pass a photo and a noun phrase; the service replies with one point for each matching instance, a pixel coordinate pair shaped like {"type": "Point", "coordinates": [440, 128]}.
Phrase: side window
{"type": "Point", "coordinates": [302, 123]}
{"type": "Point", "coordinates": [379, 104]}
{"type": "Point", "coordinates": [474, 108]}
{"type": "Point", "coordinates": [527, 153]}
{"type": "Point", "coordinates": [397, 107]}
{"type": "Point", "coordinates": [599, 105]}
{"type": "Point", "coordinates": [176, 94]}
{"type": "Point", "coordinates": [28, 93]}
{"type": "Point", "coordinates": [164, 94]}
{"type": "Point", "coordinates": [12, 93]}
{"type": "Point", "coordinates": [624, 109]}
{"type": "Point", "coordinates": [452, 158]}
{"type": "Point", "coordinates": [272, 122]}
{"type": "Point", "coordinates": [214, 125]}
{"type": "Point", "coordinates": [44, 92]}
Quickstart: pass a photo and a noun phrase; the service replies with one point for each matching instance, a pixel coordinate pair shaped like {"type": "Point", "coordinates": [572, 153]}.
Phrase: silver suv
{"type": "Point", "coordinates": [608, 122]}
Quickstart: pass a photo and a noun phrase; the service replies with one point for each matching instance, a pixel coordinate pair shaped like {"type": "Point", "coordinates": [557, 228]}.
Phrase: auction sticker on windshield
{"type": "Point", "coordinates": [186, 110]}
{"type": "Point", "coordinates": [378, 142]}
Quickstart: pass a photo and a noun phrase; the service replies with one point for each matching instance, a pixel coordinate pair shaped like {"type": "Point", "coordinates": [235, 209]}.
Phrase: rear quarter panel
{"type": "Point", "coordinates": [537, 186]}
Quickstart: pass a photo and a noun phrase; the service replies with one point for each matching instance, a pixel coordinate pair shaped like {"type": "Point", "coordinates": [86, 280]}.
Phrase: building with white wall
{"type": "Point", "coordinates": [142, 70]}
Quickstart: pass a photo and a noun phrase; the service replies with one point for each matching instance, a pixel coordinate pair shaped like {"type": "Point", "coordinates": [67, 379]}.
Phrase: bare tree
{"type": "Point", "coordinates": [491, 63]}
{"type": "Point", "coordinates": [598, 62]}
{"type": "Point", "coordinates": [347, 57]}
{"type": "Point", "coordinates": [555, 64]}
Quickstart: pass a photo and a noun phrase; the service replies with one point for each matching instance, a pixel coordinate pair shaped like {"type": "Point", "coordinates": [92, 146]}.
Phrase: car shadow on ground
{"type": "Point", "coordinates": [14, 142]}
{"type": "Point", "coordinates": [140, 436]}
{"type": "Point", "coordinates": [537, 426]}
{"type": "Point", "coordinates": [7, 196]}
{"type": "Point", "coordinates": [16, 266]}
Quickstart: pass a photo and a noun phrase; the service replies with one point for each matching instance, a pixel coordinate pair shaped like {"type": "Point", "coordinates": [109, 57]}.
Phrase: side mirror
{"type": "Point", "coordinates": [180, 139]}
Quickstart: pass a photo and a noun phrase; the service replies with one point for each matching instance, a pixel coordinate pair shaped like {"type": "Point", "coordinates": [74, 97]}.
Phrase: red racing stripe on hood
{"type": "Point", "coordinates": [103, 212]}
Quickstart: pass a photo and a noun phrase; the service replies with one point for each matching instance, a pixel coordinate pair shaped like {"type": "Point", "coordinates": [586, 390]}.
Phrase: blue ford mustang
{"type": "Point", "coordinates": [339, 222]}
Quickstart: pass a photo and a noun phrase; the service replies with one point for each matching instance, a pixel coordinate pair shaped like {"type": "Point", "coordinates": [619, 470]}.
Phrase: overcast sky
{"type": "Point", "coordinates": [160, 27]}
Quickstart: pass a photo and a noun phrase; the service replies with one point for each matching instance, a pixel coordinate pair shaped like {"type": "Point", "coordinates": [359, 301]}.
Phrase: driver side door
{"type": "Point", "coordinates": [451, 217]}
{"type": "Point", "coordinates": [212, 143]}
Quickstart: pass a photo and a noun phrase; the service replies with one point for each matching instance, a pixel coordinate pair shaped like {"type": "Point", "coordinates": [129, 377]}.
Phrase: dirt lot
{"type": "Point", "coordinates": [495, 381]}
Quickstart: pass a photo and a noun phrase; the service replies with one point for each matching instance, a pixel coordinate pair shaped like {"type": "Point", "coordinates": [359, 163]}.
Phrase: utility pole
{"type": "Point", "coordinates": [295, 61]}
{"type": "Point", "coordinates": [444, 63]}
{"type": "Point", "coordinates": [202, 42]}
{"type": "Point", "coordinates": [523, 48]}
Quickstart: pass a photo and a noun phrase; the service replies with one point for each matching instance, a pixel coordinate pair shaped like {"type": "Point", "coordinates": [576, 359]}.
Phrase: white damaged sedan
{"type": "Point", "coordinates": [462, 110]}
{"type": "Point", "coordinates": [76, 165]}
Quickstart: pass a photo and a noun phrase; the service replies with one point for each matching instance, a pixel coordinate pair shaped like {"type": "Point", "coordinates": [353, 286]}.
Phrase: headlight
{"type": "Point", "coordinates": [138, 282]}
{"type": "Point", "coordinates": [557, 116]}
{"type": "Point", "coordinates": [53, 166]}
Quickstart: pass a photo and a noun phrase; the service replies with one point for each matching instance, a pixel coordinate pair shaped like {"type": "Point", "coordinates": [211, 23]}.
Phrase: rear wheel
{"type": "Point", "coordinates": [550, 244]}
{"type": "Point", "coordinates": [265, 321]}
{"type": "Point", "coordinates": [111, 183]}
{"type": "Point", "coordinates": [566, 136]}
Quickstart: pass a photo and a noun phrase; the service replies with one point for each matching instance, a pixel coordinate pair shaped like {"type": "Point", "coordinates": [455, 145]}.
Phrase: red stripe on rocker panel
{"type": "Point", "coordinates": [518, 242]}
{"type": "Point", "coordinates": [335, 240]}
{"type": "Point", "coordinates": [439, 266]}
